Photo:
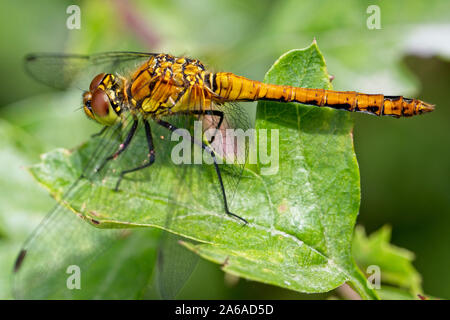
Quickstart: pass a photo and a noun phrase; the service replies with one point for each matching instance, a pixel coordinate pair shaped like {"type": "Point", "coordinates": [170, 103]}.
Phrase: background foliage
{"type": "Point", "coordinates": [404, 163]}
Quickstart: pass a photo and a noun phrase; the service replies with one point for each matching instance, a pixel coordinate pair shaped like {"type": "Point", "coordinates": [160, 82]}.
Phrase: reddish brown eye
{"type": "Point", "coordinates": [96, 81]}
{"type": "Point", "coordinates": [100, 103]}
{"type": "Point", "coordinates": [87, 96]}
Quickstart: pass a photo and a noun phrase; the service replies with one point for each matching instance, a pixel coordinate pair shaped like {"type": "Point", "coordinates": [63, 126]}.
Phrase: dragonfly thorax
{"type": "Point", "coordinates": [103, 100]}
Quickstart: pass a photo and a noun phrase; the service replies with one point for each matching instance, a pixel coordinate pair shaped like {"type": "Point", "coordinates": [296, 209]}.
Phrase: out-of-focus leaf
{"type": "Point", "coordinates": [54, 120]}
{"type": "Point", "coordinates": [395, 263]}
{"type": "Point", "coordinates": [394, 293]}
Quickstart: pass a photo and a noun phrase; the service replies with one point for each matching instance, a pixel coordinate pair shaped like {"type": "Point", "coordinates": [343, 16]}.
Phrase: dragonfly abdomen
{"type": "Point", "coordinates": [235, 88]}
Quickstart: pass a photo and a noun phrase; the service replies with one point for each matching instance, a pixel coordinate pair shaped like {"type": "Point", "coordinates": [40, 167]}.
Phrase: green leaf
{"type": "Point", "coordinates": [394, 293]}
{"type": "Point", "coordinates": [301, 218]}
{"type": "Point", "coordinates": [395, 263]}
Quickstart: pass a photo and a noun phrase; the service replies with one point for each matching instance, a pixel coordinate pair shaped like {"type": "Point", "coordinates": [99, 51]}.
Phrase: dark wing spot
{"type": "Point", "coordinates": [19, 260]}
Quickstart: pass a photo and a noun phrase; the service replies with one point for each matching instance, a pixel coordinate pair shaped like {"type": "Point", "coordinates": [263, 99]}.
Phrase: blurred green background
{"type": "Point", "coordinates": [404, 163]}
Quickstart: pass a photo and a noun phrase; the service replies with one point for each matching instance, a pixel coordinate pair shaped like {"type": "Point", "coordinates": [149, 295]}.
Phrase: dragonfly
{"type": "Point", "coordinates": [134, 96]}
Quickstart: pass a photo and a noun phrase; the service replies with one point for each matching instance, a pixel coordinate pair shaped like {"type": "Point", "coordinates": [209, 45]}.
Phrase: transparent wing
{"type": "Point", "coordinates": [62, 71]}
{"type": "Point", "coordinates": [64, 239]}
{"type": "Point", "coordinates": [232, 141]}
{"type": "Point", "coordinates": [198, 183]}
{"type": "Point", "coordinates": [175, 265]}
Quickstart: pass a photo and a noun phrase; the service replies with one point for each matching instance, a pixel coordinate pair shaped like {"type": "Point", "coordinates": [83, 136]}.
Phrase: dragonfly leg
{"type": "Point", "coordinates": [151, 155]}
{"type": "Point", "coordinates": [216, 166]}
{"type": "Point", "coordinates": [100, 132]}
{"type": "Point", "coordinates": [216, 113]}
{"type": "Point", "coordinates": [122, 146]}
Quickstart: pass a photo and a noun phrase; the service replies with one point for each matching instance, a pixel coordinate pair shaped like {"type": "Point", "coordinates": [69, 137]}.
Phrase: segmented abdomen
{"type": "Point", "coordinates": [236, 88]}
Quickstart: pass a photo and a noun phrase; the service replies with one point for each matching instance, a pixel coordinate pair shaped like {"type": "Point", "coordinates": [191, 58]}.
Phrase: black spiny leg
{"type": "Point", "coordinates": [151, 155]}
{"type": "Point", "coordinates": [216, 113]}
{"type": "Point", "coordinates": [216, 166]}
{"type": "Point", "coordinates": [122, 146]}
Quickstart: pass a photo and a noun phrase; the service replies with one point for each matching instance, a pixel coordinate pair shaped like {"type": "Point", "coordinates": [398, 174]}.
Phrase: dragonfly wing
{"type": "Point", "coordinates": [62, 71]}
{"type": "Point", "coordinates": [232, 141]}
{"type": "Point", "coordinates": [65, 239]}
{"type": "Point", "coordinates": [176, 263]}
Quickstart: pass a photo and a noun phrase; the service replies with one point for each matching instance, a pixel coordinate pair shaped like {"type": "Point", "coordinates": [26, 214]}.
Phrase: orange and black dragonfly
{"type": "Point", "coordinates": [165, 86]}
{"type": "Point", "coordinates": [129, 91]}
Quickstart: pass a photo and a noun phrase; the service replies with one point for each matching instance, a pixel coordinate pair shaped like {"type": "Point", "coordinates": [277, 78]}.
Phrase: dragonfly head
{"type": "Point", "coordinates": [99, 102]}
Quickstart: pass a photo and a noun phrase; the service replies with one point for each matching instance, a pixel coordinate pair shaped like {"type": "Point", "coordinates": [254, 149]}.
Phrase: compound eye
{"type": "Point", "coordinates": [100, 103]}
{"type": "Point", "coordinates": [96, 81]}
